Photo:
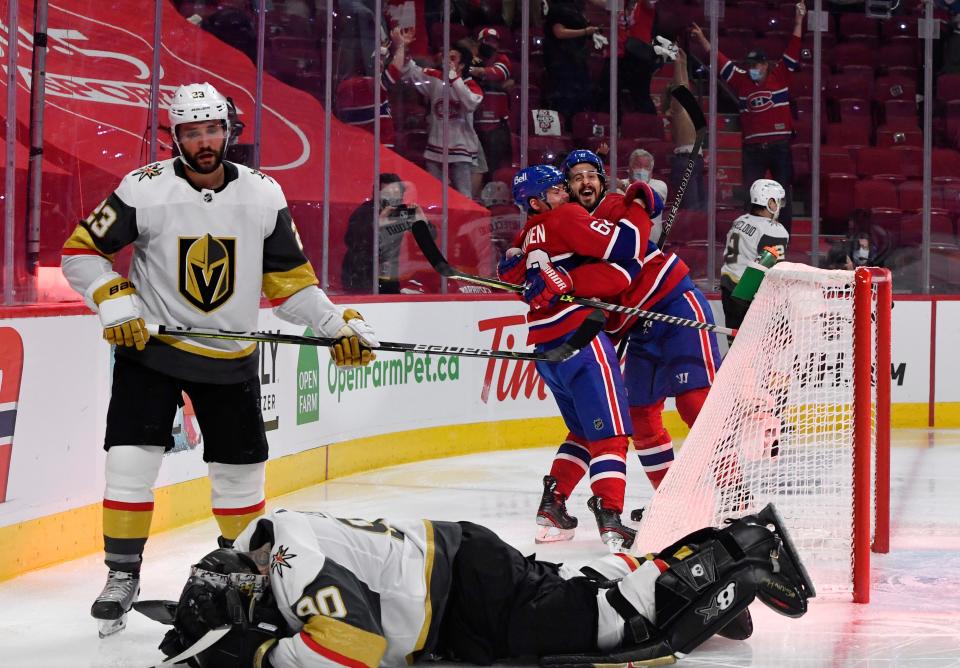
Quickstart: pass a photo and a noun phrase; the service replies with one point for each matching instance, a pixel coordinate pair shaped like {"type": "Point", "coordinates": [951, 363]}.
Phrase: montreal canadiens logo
{"type": "Point", "coordinates": [760, 101]}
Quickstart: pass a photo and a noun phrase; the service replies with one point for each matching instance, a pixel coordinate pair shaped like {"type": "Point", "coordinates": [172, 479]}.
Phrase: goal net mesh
{"type": "Point", "coordinates": [777, 426]}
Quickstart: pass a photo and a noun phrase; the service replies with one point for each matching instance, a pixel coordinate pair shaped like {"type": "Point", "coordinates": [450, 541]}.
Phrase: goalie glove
{"type": "Point", "coordinates": [545, 282]}
{"type": "Point", "coordinates": [644, 193]}
{"type": "Point", "coordinates": [115, 299]}
{"type": "Point", "coordinates": [356, 338]}
{"type": "Point", "coordinates": [513, 267]}
{"type": "Point", "coordinates": [665, 49]}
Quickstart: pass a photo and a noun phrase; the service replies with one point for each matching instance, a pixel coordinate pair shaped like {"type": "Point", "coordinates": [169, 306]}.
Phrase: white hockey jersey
{"type": "Point", "coordinates": [355, 592]}
{"type": "Point", "coordinates": [201, 258]}
{"type": "Point", "coordinates": [746, 240]}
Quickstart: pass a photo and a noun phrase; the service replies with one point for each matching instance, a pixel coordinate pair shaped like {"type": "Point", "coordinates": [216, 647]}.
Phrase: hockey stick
{"type": "Point", "coordinates": [685, 99]}
{"type": "Point", "coordinates": [580, 338]}
{"type": "Point", "coordinates": [208, 640]}
{"type": "Point", "coordinates": [421, 233]}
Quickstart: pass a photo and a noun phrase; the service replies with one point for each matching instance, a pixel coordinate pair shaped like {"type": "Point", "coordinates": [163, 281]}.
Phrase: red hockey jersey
{"type": "Point", "coordinates": [764, 107]}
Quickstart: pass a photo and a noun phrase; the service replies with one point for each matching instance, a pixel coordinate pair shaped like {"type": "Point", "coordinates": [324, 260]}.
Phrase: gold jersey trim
{"type": "Point", "coordinates": [206, 352]}
{"type": "Point", "coordinates": [427, 601]}
{"type": "Point", "coordinates": [81, 240]}
{"type": "Point", "coordinates": [349, 641]}
{"type": "Point", "coordinates": [282, 284]}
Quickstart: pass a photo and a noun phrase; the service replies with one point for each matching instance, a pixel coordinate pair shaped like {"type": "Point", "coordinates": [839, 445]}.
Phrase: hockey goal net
{"type": "Point", "coordinates": [799, 416]}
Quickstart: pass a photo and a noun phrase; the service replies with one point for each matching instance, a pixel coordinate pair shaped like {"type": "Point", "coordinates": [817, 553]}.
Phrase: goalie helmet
{"type": "Point", "coordinates": [535, 181]}
{"type": "Point", "coordinates": [198, 102]}
{"type": "Point", "coordinates": [764, 190]}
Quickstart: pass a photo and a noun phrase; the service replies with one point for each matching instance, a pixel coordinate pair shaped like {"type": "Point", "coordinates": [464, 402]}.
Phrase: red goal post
{"type": "Point", "coordinates": [799, 415]}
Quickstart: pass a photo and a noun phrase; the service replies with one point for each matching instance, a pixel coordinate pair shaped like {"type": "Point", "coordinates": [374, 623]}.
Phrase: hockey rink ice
{"type": "Point", "coordinates": [912, 620]}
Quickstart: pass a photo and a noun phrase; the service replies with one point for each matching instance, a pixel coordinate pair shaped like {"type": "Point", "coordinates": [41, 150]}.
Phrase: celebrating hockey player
{"type": "Point", "coordinates": [556, 254]}
{"type": "Point", "coordinates": [662, 360]}
{"type": "Point", "coordinates": [303, 590]}
{"type": "Point", "coordinates": [750, 234]}
{"type": "Point", "coordinates": [209, 237]}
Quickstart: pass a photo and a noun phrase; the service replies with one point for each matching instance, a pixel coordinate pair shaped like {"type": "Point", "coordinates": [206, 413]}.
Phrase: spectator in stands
{"type": "Point", "coordinates": [765, 109]}
{"type": "Point", "coordinates": [356, 37]}
{"type": "Point", "coordinates": [639, 60]}
{"type": "Point", "coordinates": [355, 106]}
{"type": "Point", "coordinates": [233, 26]}
{"type": "Point", "coordinates": [465, 96]}
{"type": "Point", "coordinates": [640, 168]}
{"type": "Point", "coordinates": [396, 217]}
{"type": "Point", "coordinates": [491, 70]}
{"type": "Point", "coordinates": [684, 135]}
{"type": "Point", "coordinates": [862, 250]}
{"type": "Point", "coordinates": [838, 257]}
{"type": "Point", "coordinates": [567, 43]}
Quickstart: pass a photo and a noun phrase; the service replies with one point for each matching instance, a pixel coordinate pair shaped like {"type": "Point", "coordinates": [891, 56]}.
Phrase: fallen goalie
{"type": "Point", "coordinates": [308, 589]}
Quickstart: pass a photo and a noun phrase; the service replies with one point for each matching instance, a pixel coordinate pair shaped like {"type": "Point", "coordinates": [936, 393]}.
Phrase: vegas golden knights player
{"type": "Point", "coordinates": [208, 237]}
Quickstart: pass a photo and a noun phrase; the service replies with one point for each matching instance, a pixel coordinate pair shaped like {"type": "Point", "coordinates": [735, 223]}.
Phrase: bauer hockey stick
{"type": "Point", "coordinates": [582, 336]}
{"type": "Point", "coordinates": [421, 233]}
{"type": "Point", "coordinates": [685, 99]}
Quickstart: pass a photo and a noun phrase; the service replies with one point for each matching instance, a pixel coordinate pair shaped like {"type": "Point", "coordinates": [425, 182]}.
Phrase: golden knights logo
{"type": "Point", "coordinates": [149, 171]}
{"type": "Point", "coordinates": [206, 269]}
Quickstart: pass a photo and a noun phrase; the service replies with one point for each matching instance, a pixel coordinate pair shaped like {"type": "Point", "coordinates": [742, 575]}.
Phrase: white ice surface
{"type": "Point", "coordinates": [913, 620]}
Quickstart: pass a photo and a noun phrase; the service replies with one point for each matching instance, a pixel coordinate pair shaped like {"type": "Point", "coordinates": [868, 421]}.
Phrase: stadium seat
{"type": "Point", "coordinates": [948, 87]}
{"type": "Point", "coordinates": [837, 163]}
{"type": "Point", "coordinates": [888, 137]}
{"type": "Point", "coordinates": [848, 85]}
{"type": "Point", "coordinates": [899, 27]}
{"type": "Point", "coordinates": [898, 53]}
{"type": "Point", "coordinates": [945, 165]}
{"type": "Point", "coordinates": [911, 161]}
{"type": "Point", "coordinates": [800, 154]}
{"type": "Point", "coordinates": [910, 194]}
{"type": "Point", "coordinates": [588, 124]}
{"type": "Point", "coordinates": [848, 134]}
{"type": "Point", "coordinates": [857, 24]}
{"type": "Point", "coordinates": [952, 120]}
{"type": "Point", "coordinates": [902, 113]}
{"type": "Point", "coordinates": [874, 162]}
{"type": "Point", "coordinates": [951, 197]}
{"type": "Point", "coordinates": [894, 87]}
{"type": "Point", "coordinates": [853, 110]}
{"type": "Point", "coordinates": [852, 53]}
{"type": "Point", "coordinates": [633, 124]}
{"type": "Point", "coordinates": [837, 197]}
{"type": "Point", "coordinates": [872, 194]}
{"type": "Point", "coordinates": [885, 224]}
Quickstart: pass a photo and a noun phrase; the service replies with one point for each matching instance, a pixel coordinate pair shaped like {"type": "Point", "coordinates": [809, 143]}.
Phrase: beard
{"type": "Point", "coordinates": [588, 197]}
{"type": "Point", "coordinates": [204, 161]}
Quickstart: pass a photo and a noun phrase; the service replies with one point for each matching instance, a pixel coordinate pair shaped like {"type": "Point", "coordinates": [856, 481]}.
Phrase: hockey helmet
{"type": "Point", "coordinates": [764, 190]}
{"type": "Point", "coordinates": [495, 193]}
{"type": "Point", "coordinates": [535, 181]}
{"type": "Point", "coordinates": [583, 155]}
{"type": "Point", "coordinates": [198, 102]}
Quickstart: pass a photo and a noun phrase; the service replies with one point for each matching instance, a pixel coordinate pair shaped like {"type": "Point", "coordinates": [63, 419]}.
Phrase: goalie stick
{"type": "Point", "coordinates": [421, 233]}
{"type": "Point", "coordinates": [685, 99]}
{"type": "Point", "coordinates": [583, 335]}
{"type": "Point", "coordinates": [208, 640]}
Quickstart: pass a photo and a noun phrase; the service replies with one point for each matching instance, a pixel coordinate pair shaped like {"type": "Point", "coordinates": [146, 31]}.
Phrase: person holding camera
{"type": "Point", "coordinates": [395, 218]}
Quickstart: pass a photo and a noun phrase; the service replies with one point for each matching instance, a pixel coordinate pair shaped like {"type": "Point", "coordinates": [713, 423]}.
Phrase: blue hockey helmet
{"type": "Point", "coordinates": [583, 155]}
{"type": "Point", "coordinates": [535, 181]}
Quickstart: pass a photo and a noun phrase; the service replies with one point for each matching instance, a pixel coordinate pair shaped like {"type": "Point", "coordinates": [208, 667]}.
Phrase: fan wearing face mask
{"type": "Point", "coordinates": [764, 96]}
{"type": "Point", "coordinates": [749, 236]}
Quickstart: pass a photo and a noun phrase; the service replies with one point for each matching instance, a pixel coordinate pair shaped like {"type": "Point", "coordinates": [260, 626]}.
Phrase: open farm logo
{"type": "Point", "coordinates": [393, 371]}
{"type": "Point", "coordinates": [11, 370]}
{"type": "Point", "coordinates": [514, 378]}
{"type": "Point", "coordinates": [308, 383]}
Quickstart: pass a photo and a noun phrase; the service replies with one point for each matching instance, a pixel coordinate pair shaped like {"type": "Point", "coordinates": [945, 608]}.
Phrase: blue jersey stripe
{"type": "Point", "coordinates": [7, 420]}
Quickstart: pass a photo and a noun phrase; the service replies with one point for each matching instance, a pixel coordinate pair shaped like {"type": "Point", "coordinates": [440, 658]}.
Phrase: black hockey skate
{"type": "Point", "coordinates": [552, 518]}
{"type": "Point", "coordinates": [614, 534]}
{"type": "Point", "coordinates": [114, 602]}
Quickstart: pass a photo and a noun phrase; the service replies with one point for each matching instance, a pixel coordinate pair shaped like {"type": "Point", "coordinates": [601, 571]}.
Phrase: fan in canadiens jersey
{"type": "Point", "coordinates": [662, 360]}
{"type": "Point", "coordinates": [558, 252]}
{"type": "Point", "coordinates": [309, 590]}
{"type": "Point", "coordinates": [750, 234]}
{"type": "Point", "coordinates": [208, 237]}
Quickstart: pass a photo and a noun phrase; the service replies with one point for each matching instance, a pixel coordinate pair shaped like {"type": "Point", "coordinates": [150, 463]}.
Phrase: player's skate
{"type": "Point", "coordinates": [114, 602]}
{"type": "Point", "coordinates": [614, 534]}
{"type": "Point", "coordinates": [552, 518]}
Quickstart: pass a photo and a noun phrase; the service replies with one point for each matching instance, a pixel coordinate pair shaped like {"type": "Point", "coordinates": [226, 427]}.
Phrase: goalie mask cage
{"type": "Point", "coordinates": [799, 416]}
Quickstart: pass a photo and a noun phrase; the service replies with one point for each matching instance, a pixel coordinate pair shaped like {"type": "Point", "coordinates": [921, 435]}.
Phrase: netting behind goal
{"type": "Point", "coordinates": [780, 422]}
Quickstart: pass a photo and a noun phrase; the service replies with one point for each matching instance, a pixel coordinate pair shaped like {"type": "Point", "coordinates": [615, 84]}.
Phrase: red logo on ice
{"type": "Point", "coordinates": [11, 368]}
{"type": "Point", "coordinates": [514, 377]}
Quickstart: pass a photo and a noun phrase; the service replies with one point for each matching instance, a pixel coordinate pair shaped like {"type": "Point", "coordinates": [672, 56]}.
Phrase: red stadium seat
{"type": "Point", "coordinates": [588, 124]}
{"type": "Point", "coordinates": [894, 87]}
{"type": "Point", "coordinates": [848, 85]}
{"type": "Point", "coordinates": [889, 137]}
{"type": "Point", "coordinates": [871, 194]}
{"type": "Point", "coordinates": [899, 27]}
{"type": "Point", "coordinates": [945, 164]}
{"type": "Point", "coordinates": [800, 154]}
{"type": "Point", "coordinates": [948, 87]}
{"type": "Point", "coordinates": [847, 134]}
{"type": "Point", "coordinates": [899, 53]}
{"type": "Point", "coordinates": [633, 124]}
{"type": "Point", "coordinates": [857, 24]}
{"type": "Point", "coordinates": [910, 194]}
{"type": "Point", "coordinates": [852, 53]}
{"type": "Point", "coordinates": [911, 161]}
{"type": "Point", "coordinates": [853, 110]}
{"type": "Point", "coordinates": [837, 197]}
{"type": "Point", "coordinates": [900, 112]}
{"type": "Point", "coordinates": [837, 163]}
{"type": "Point", "coordinates": [873, 162]}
